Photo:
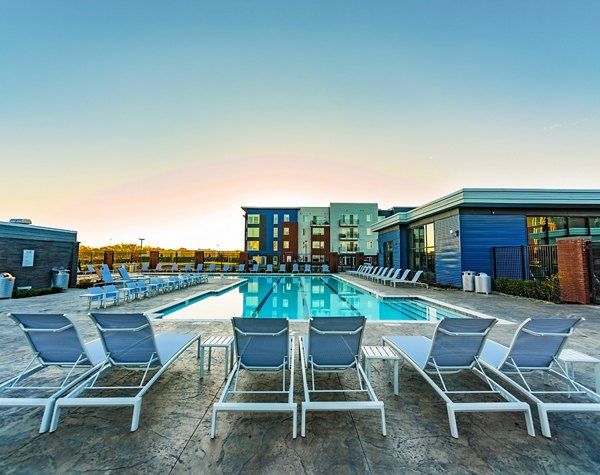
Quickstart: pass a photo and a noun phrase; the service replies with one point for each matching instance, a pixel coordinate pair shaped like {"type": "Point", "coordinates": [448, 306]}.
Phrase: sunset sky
{"type": "Point", "coordinates": [155, 119]}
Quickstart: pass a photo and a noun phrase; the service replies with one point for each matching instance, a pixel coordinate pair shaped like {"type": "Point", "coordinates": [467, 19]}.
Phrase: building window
{"type": "Point", "coordinates": [275, 232]}
{"type": "Point", "coordinates": [275, 246]}
{"type": "Point", "coordinates": [286, 244]}
{"type": "Point", "coordinates": [369, 244]}
{"type": "Point", "coordinates": [253, 232]}
{"type": "Point", "coordinates": [252, 245]}
{"type": "Point", "coordinates": [305, 219]}
{"type": "Point", "coordinates": [318, 245]}
{"type": "Point", "coordinates": [318, 220]}
{"type": "Point", "coordinates": [275, 219]}
{"type": "Point", "coordinates": [388, 254]}
{"type": "Point", "coordinates": [422, 248]}
{"type": "Point", "coordinates": [546, 229]}
{"type": "Point", "coordinates": [254, 219]}
{"type": "Point", "coordinates": [318, 231]}
{"type": "Point", "coordinates": [286, 231]}
{"type": "Point", "coordinates": [286, 218]}
{"type": "Point", "coordinates": [368, 218]}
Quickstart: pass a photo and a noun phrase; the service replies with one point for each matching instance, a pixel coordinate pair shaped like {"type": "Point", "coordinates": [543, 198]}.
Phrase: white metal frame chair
{"type": "Point", "coordinates": [56, 343]}
{"type": "Point", "coordinates": [332, 346]}
{"type": "Point", "coordinates": [536, 347]}
{"type": "Point", "coordinates": [129, 341]}
{"type": "Point", "coordinates": [455, 346]}
{"type": "Point", "coordinates": [262, 346]}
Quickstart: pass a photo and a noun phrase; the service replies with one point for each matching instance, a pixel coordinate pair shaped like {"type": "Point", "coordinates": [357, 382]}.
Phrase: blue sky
{"type": "Point", "coordinates": [182, 112]}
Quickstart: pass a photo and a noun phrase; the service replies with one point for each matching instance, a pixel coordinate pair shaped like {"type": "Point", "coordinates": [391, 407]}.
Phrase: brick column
{"type": "Point", "coordinates": [154, 256]}
{"type": "Point", "coordinates": [573, 270]}
{"type": "Point", "coordinates": [199, 257]}
{"type": "Point", "coordinates": [109, 258]}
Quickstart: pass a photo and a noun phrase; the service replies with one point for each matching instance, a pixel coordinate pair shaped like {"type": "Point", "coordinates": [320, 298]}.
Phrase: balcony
{"type": "Point", "coordinates": [348, 222]}
{"type": "Point", "coordinates": [348, 236]}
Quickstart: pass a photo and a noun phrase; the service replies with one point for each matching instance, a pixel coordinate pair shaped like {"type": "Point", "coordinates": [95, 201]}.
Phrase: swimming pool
{"type": "Point", "coordinates": [302, 297]}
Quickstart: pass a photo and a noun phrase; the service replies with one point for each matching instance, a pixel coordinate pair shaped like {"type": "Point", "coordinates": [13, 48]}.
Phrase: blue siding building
{"type": "Point", "coordinates": [459, 232]}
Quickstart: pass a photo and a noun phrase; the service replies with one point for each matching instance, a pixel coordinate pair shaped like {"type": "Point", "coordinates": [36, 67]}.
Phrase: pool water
{"type": "Point", "coordinates": [302, 297]}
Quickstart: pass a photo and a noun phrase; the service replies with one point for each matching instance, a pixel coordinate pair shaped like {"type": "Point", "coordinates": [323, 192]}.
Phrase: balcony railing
{"type": "Point", "coordinates": [348, 222]}
{"type": "Point", "coordinates": [348, 236]}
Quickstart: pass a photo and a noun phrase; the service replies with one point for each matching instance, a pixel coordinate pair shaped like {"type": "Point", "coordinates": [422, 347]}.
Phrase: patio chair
{"type": "Point", "coordinates": [159, 267]}
{"type": "Point", "coordinates": [536, 348]}
{"type": "Point", "coordinates": [145, 267]}
{"type": "Point", "coordinates": [307, 269]}
{"type": "Point", "coordinates": [332, 346]}
{"type": "Point", "coordinates": [174, 267]}
{"type": "Point", "coordinates": [106, 276]}
{"type": "Point", "coordinates": [56, 344]}
{"type": "Point", "coordinates": [380, 273]}
{"type": "Point", "coordinates": [94, 294]}
{"type": "Point", "coordinates": [357, 271]}
{"type": "Point", "coordinates": [130, 343]}
{"type": "Point", "coordinates": [455, 346]}
{"type": "Point", "coordinates": [269, 268]}
{"type": "Point", "coordinates": [401, 280]}
{"type": "Point", "coordinates": [414, 281]}
{"type": "Point", "coordinates": [281, 268]}
{"type": "Point", "coordinates": [295, 269]}
{"type": "Point", "coordinates": [371, 270]}
{"type": "Point", "coordinates": [111, 294]}
{"type": "Point", "coordinates": [225, 268]}
{"type": "Point", "coordinates": [393, 274]}
{"type": "Point", "coordinates": [262, 346]}
{"type": "Point", "coordinates": [254, 268]}
{"type": "Point", "coordinates": [325, 269]}
{"type": "Point", "coordinates": [241, 268]}
{"type": "Point", "coordinates": [199, 267]}
{"type": "Point", "coordinates": [212, 268]}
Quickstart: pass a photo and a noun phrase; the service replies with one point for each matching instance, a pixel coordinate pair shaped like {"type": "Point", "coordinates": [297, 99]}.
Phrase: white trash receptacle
{"type": "Point", "coordinates": [7, 284]}
{"type": "Point", "coordinates": [483, 283]}
{"type": "Point", "coordinates": [468, 281]}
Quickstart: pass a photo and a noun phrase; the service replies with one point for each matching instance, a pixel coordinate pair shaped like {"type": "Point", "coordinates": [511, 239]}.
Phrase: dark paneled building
{"type": "Point", "coordinates": [30, 252]}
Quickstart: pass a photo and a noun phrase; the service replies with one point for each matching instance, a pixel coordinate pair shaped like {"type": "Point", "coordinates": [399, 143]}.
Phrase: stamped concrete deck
{"type": "Point", "coordinates": [174, 429]}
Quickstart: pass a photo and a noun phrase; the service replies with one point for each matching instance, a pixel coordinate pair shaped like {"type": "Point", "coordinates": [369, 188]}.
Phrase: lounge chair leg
{"type": "Point", "coordinates": [544, 422]}
{"type": "Point", "coordinates": [383, 429]}
{"type": "Point", "coordinates": [295, 424]}
{"type": "Point", "coordinates": [55, 416]}
{"type": "Point", "coordinates": [213, 424]}
{"type": "Point", "coordinates": [303, 428]}
{"type": "Point", "coordinates": [452, 421]}
{"type": "Point", "coordinates": [137, 408]}
{"type": "Point", "coordinates": [529, 422]}
{"type": "Point", "coordinates": [46, 418]}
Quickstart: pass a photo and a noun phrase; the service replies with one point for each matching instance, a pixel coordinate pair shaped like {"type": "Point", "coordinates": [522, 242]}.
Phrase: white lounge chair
{"type": "Point", "coordinates": [325, 269]}
{"type": "Point", "coordinates": [403, 278]}
{"type": "Point", "coordinates": [130, 343]}
{"type": "Point", "coordinates": [454, 347]}
{"type": "Point", "coordinates": [536, 347]}
{"type": "Point", "coordinates": [393, 274]}
{"type": "Point", "coordinates": [333, 345]}
{"type": "Point", "coordinates": [254, 268]}
{"type": "Point", "coordinates": [262, 345]}
{"type": "Point", "coordinates": [56, 344]}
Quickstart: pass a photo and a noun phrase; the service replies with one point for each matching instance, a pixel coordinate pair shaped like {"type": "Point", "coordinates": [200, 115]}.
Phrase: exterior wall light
{"type": "Point", "coordinates": [454, 233]}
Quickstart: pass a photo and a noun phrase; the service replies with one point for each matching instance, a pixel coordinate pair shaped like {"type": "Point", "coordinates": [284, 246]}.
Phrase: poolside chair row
{"type": "Point", "coordinates": [137, 288]}
{"type": "Point", "coordinates": [126, 341]}
{"type": "Point", "coordinates": [462, 345]}
{"type": "Point", "coordinates": [391, 275]}
{"type": "Point", "coordinates": [332, 345]}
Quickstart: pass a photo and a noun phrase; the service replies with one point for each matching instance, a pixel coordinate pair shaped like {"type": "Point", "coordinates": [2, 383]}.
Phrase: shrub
{"type": "Point", "coordinates": [20, 294]}
{"type": "Point", "coordinates": [547, 289]}
{"type": "Point", "coordinates": [85, 283]}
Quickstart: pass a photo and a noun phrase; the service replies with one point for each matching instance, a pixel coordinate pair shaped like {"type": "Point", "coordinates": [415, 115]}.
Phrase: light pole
{"type": "Point", "coordinates": [141, 247]}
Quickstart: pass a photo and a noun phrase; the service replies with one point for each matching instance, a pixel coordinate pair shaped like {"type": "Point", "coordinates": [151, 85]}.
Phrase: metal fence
{"type": "Point", "coordinates": [536, 262]}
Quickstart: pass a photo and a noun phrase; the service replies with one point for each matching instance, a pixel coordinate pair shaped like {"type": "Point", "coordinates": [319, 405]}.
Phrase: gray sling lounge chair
{"type": "Point", "coordinates": [130, 343]}
{"type": "Point", "coordinates": [56, 343]}
{"type": "Point", "coordinates": [455, 346]}
{"type": "Point", "coordinates": [262, 345]}
{"type": "Point", "coordinates": [536, 347]}
{"type": "Point", "coordinates": [332, 346]}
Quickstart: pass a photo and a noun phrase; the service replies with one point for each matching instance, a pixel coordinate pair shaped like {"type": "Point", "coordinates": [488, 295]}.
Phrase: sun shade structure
{"type": "Point", "coordinates": [536, 347]}
{"type": "Point", "coordinates": [262, 346]}
{"type": "Point", "coordinates": [129, 342]}
{"type": "Point", "coordinates": [56, 343]}
{"type": "Point", "coordinates": [332, 346]}
{"type": "Point", "coordinates": [455, 346]}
